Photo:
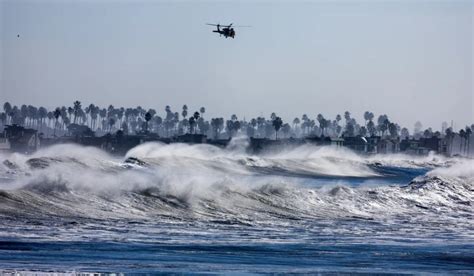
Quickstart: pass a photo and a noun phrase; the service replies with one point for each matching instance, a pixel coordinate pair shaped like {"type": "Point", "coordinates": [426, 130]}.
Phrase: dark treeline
{"type": "Point", "coordinates": [100, 121]}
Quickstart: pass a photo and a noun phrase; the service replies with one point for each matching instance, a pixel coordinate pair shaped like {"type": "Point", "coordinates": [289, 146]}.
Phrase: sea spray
{"type": "Point", "coordinates": [207, 180]}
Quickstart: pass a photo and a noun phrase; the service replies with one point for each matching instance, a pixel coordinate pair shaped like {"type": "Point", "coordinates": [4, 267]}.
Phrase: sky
{"type": "Point", "coordinates": [411, 60]}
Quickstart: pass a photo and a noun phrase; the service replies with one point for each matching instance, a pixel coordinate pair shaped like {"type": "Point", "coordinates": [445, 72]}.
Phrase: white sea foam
{"type": "Point", "coordinates": [204, 181]}
{"type": "Point", "coordinates": [464, 168]}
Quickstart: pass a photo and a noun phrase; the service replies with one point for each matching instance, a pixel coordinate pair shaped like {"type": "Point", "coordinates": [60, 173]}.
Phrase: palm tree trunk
{"type": "Point", "coordinates": [468, 145]}
{"type": "Point", "coordinates": [466, 140]}
{"type": "Point", "coordinates": [54, 133]}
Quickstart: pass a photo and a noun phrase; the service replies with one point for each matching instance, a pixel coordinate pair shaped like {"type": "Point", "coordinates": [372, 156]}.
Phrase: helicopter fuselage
{"type": "Point", "coordinates": [226, 32]}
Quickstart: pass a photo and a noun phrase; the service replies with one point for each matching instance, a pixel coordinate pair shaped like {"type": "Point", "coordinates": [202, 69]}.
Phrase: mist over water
{"type": "Point", "coordinates": [173, 207]}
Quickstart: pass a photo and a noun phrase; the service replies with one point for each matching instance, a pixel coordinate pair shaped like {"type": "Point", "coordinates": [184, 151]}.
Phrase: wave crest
{"type": "Point", "coordinates": [205, 182]}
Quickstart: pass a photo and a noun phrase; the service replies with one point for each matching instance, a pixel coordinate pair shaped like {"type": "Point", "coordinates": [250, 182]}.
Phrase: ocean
{"type": "Point", "coordinates": [200, 209]}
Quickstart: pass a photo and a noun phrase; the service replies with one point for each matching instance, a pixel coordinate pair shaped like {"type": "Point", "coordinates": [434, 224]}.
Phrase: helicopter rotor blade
{"type": "Point", "coordinates": [230, 25]}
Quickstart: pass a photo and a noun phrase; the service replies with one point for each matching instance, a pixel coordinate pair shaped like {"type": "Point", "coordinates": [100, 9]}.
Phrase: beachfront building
{"type": "Point", "coordinates": [20, 139]}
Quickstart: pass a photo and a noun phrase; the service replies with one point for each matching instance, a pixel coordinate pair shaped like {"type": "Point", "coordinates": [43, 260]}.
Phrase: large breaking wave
{"type": "Point", "coordinates": [201, 182]}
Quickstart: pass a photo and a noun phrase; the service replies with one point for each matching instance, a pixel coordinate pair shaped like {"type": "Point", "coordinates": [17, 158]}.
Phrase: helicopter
{"type": "Point", "coordinates": [226, 31]}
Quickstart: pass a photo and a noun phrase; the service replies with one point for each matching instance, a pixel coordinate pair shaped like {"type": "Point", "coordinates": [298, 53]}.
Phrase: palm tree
{"type": "Point", "coordinates": [349, 131]}
{"type": "Point", "coordinates": [50, 118]}
{"type": "Point", "coordinates": [383, 123]}
{"type": "Point", "coordinates": [110, 111]}
{"type": "Point", "coordinates": [175, 121]}
{"type": "Point", "coordinates": [76, 110]}
{"type": "Point", "coordinates": [7, 107]}
{"type": "Point", "coordinates": [23, 113]}
{"type": "Point", "coordinates": [371, 128]}
{"type": "Point", "coordinates": [277, 123]}
{"type": "Point", "coordinates": [449, 136]}
{"type": "Point", "coordinates": [347, 116]}
{"type": "Point", "coordinates": [148, 117]}
{"type": "Point", "coordinates": [368, 116]}
{"type": "Point", "coordinates": [322, 123]}
{"type": "Point", "coordinates": [57, 113]}
{"type": "Point", "coordinates": [217, 125]}
{"type": "Point", "coordinates": [157, 121]}
{"type": "Point", "coordinates": [63, 117]}
{"type": "Point", "coordinates": [121, 111]}
{"type": "Point", "coordinates": [111, 123]}
{"type": "Point", "coordinates": [94, 114]}
{"type": "Point", "coordinates": [214, 125]}
{"type": "Point", "coordinates": [103, 114]}
{"type": "Point", "coordinates": [462, 134]}
{"type": "Point", "coordinates": [196, 116]}
{"type": "Point", "coordinates": [253, 122]}
{"type": "Point", "coordinates": [468, 137]}
{"type": "Point", "coordinates": [15, 116]}
{"type": "Point", "coordinates": [89, 111]}
{"type": "Point", "coordinates": [128, 114]}
{"type": "Point", "coordinates": [185, 126]}
{"type": "Point", "coordinates": [230, 127]}
{"type": "Point", "coordinates": [296, 122]}
{"type": "Point", "coordinates": [42, 114]}
{"type": "Point", "coordinates": [184, 113]}
{"type": "Point", "coordinates": [236, 126]}
{"type": "Point", "coordinates": [192, 123]}
{"type": "Point", "coordinates": [393, 130]}
{"type": "Point", "coordinates": [202, 110]}
{"type": "Point", "coordinates": [141, 111]}
{"type": "Point", "coordinates": [33, 114]}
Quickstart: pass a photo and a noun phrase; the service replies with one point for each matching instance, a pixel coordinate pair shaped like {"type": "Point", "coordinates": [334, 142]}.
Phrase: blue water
{"type": "Point", "coordinates": [313, 256]}
{"type": "Point", "coordinates": [381, 222]}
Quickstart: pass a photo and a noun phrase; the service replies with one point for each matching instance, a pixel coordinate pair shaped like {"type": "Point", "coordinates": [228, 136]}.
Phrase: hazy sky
{"type": "Point", "coordinates": [409, 59]}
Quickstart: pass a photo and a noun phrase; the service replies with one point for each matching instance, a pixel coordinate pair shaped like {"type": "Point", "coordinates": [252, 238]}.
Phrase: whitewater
{"type": "Point", "coordinates": [178, 208]}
